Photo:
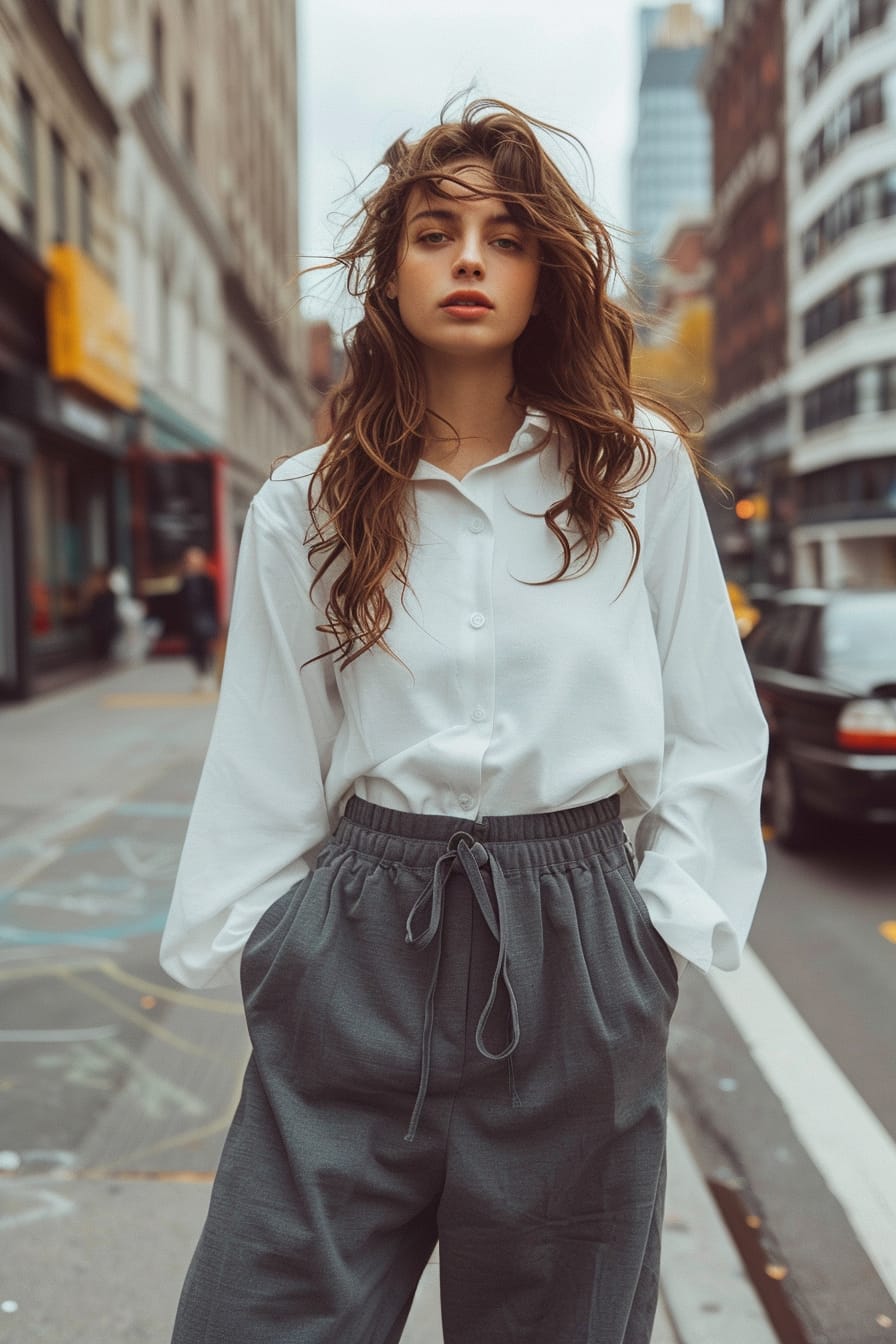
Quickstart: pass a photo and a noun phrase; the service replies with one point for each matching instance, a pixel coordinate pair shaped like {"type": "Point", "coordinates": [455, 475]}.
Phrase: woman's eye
{"type": "Point", "coordinates": [508, 245]}
{"type": "Point", "coordinates": [434, 237]}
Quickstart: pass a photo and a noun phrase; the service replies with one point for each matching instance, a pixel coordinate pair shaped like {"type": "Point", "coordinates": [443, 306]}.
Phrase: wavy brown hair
{"type": "Point", "coordinates": [573, 362]}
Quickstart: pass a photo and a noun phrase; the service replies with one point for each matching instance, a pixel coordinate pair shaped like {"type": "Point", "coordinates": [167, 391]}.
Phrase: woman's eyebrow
{"type": "Point", "coordinates": [451, 217]}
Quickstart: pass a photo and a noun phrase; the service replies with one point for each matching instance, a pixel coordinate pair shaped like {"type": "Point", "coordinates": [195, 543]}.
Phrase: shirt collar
{"type": "Point", "coordinates": [530, 434]}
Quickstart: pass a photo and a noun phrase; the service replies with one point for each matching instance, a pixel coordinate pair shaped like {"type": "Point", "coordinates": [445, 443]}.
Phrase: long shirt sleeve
{"type": "Point", "coordinates": [701, 859]}
{"type": "Point", "coordinates": [507, 695]}
{"type": "Point", "coordinates": [260, 810]}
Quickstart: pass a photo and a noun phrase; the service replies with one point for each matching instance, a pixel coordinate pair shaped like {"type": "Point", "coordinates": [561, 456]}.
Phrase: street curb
{"type": "Point", "coordinates": [704, 1284]}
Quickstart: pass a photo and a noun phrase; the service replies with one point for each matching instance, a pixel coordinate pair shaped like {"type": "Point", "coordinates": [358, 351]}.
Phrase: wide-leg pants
{"type": "Point", "coordinates": [459, 1032]}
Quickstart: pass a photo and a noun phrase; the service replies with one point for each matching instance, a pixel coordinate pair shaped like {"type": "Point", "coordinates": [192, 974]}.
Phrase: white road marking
{"type": "Point", "coordinates": [844, 1138]}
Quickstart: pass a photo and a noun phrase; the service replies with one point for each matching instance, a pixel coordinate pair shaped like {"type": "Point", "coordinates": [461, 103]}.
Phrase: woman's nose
{"type": "Point", "coordinates": [469, 262]}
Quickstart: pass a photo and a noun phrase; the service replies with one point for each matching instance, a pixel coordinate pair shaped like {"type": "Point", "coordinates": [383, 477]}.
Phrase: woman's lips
{"type": "Point", "coordinates": [465, 311]}
{"type": "Point", "coordinates": [467, 304]}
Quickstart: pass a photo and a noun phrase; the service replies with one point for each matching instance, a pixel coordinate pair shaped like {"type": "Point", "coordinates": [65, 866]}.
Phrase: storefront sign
{"type": "Point", "coordinates": [89, 329]}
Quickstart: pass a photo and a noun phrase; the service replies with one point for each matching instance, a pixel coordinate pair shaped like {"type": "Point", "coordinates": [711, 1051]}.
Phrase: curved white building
{"type": "Point", "coordinates": [841, 96]}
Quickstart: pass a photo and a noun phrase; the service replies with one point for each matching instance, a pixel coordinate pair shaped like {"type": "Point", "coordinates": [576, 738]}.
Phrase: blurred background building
{"type": "Point", "coordinates": [670, 175]}
{"type": "Point", "coordinates": [841, 93]}
{"type": "Point", "coordinates": [796, 326]}
{"type": "Point", "coordinates": [152, 359]}
{"type": "Point", "coordinates": [67, 377]}
{"type": "Point", "coordinates": [747, 434]}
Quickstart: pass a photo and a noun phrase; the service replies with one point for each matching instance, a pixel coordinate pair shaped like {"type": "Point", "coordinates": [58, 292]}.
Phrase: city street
{"type": "Point", "coordinates": [117, 1085]}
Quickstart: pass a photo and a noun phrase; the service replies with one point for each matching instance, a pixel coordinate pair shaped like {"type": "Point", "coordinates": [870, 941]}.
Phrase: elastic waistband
{"type": "Point", "coordinates": [572, 831]}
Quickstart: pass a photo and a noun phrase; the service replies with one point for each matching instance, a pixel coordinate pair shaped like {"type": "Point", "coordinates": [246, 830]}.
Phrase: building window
{"type": "Point", "coordinates": [831, 313]}
{"type": "Point", "coordinates": [863, 488]}
{"type": "Point", "coordinates": [85, 211]}
{"type": "Point", "coordinates": [194, 337]}
{"type": "Point", "coordinates": [888, 191]}
{"type": "Point", "coordinates": [188, 119]}
{"type": "Point", "coordinates": [890, 289]}
{"type": "Point", "coordinates": [869, 199]}
{"type": "Point", "coordinates": [165, 322]}
{"type": "Point", "coordinates": [57, 152]}
{"type": "Point", "coordinates": [28, 163]}
{"type": "Point", "coordinates": [158, 54]}
{"type": "Point", "coordinates": [863, 109]}
{"type": "Point", "coordinates": [888, 386]}
{"type": "Point", "coordinates": [852, 20]}
{"type": "Point", "coordinates": [834, 400]}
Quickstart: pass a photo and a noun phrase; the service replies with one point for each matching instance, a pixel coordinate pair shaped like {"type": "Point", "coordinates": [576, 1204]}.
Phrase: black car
{"type": "Point", "coordinates": [824, 664]}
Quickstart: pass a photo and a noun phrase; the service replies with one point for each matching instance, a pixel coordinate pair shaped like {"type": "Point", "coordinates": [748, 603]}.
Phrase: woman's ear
{"type": "Point", "coordinates": [391, 289]}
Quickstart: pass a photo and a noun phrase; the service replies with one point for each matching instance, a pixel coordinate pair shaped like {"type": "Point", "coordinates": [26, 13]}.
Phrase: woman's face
{"type": "Point", "coordinates": [467, 272]}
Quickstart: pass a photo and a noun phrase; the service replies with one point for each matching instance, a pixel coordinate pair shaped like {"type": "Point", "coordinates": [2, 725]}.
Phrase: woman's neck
{"type": "Point", "coordinates": [475, 401]}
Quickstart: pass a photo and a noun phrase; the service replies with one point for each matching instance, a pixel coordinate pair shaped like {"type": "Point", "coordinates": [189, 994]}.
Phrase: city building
{"type": "Point", "coordinates": [173, 256]}
{"type": "Point", "coordinates": [676, 365]}
{"type": "Point", "coordinates": [67, 379]}
{"type": "Point", "coordinates": [153, 363]}
{"type": "Point", "coordinates": [207, 96]}
{"type": "Point", "coordinates": [670, 170]}
{"type": "Point", "coordinates": [254, 177]}
{"type": "Point", "coordinates": [841, 82]}
{"type": "Point", "coordinates": [747, 434]}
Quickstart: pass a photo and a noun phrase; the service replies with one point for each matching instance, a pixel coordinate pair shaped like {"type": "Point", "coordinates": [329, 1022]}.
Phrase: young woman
{"type": "Point", "coordinates": [481, 624]}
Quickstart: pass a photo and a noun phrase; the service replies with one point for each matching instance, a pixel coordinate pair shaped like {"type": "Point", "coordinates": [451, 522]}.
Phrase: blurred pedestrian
{"type": "Point", "coordinates": [199, 614]}
{"type": "Point", "coordinates": [101, 614]}
{"type": "Point", "coordinates": [408, 834]}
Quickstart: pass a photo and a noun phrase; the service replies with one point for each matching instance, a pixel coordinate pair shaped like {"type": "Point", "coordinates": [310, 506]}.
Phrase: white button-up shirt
{"type": "Point", "coordinates": [510, 697]}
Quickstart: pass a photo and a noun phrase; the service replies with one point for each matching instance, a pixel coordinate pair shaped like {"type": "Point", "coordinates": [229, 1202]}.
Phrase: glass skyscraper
{"type": "Point", "coordinates": [671, 163]}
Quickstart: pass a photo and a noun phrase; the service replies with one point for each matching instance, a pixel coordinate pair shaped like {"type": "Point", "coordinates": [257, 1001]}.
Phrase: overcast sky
{"type": "Point", "coordinates": [372, 69]}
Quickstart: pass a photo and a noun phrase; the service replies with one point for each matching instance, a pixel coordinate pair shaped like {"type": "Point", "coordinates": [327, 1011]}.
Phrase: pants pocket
{"type": "Point", "coordinates": [660, 953]}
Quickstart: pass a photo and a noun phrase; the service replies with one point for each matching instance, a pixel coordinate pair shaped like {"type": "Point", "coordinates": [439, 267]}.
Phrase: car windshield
{"type": "Point", "coordinates": [860, 639]}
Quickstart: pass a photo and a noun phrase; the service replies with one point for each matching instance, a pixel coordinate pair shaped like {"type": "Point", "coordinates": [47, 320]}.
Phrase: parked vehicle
{"type": "Point", "coordinates": [824, 664]}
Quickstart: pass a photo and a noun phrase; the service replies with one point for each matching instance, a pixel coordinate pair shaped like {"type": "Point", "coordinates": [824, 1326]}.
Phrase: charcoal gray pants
{"type": "Point", "coordinates": [459, 1032]}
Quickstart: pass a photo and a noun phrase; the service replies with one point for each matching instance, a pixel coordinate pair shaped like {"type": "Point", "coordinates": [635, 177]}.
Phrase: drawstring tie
{"type": "Point", "coordinates": [472, 856]}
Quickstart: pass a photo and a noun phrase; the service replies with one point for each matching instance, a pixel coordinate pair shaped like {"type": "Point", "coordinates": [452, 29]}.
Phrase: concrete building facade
{"type": "Point", "coordinates": [841, 79]}
{"type": "Point", "coordinates": [66, 379]}
{"type": "Point", "coordinates": [152, 360]}
{"type": "Point", "coordinates": [748, 439]}
{"type": "Point", "coordinates": [209, 240]}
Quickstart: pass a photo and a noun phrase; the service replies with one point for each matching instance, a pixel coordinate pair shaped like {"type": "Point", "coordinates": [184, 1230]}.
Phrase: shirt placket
{"type": "Point", "coordinates": [476, 637]}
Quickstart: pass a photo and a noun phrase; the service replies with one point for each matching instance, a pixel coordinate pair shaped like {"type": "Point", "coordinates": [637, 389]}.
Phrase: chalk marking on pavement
{"type": "Point", "coordinates": [131, 1015]}
{"type": "Point", "coordinates": [216, 1126]}
{"type": "Point", "coordinates": [94, 1066]}
{"type": "Point", "coordinates": [50, 1205]}
{"type": "Point", "coordinates": [109, 968]}
{"type": "Point", "coordinates": [42, 842]}
{"type": "Point", "coordinates": [181, 996]}
{"type": "Point", "coordinates": [104, 938]}
{"type": "Point", "coordinates": [59, 1034]}
{"type": "Point", "coordinates": [844, 1138]}
{"type": "Point", "coordinates": [57, 827]}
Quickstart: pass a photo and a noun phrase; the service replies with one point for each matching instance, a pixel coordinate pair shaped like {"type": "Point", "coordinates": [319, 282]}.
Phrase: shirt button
{"type": "Point", "coordinates": [478, 714]}
{"type": "Point", "coordinates": [476, 525]}
{"type": "Point", "coordinates": [477, 620]}
{"type": "Point", "coordinates": [466, 801]}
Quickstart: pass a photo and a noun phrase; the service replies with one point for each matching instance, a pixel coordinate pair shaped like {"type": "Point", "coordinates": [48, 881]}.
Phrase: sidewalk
{"type": "Point", "coordinates": [118, 1215]}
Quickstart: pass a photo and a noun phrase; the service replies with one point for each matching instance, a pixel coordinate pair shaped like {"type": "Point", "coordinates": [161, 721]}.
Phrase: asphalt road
{"type": "Point", "coordinates": [782, 1075]}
